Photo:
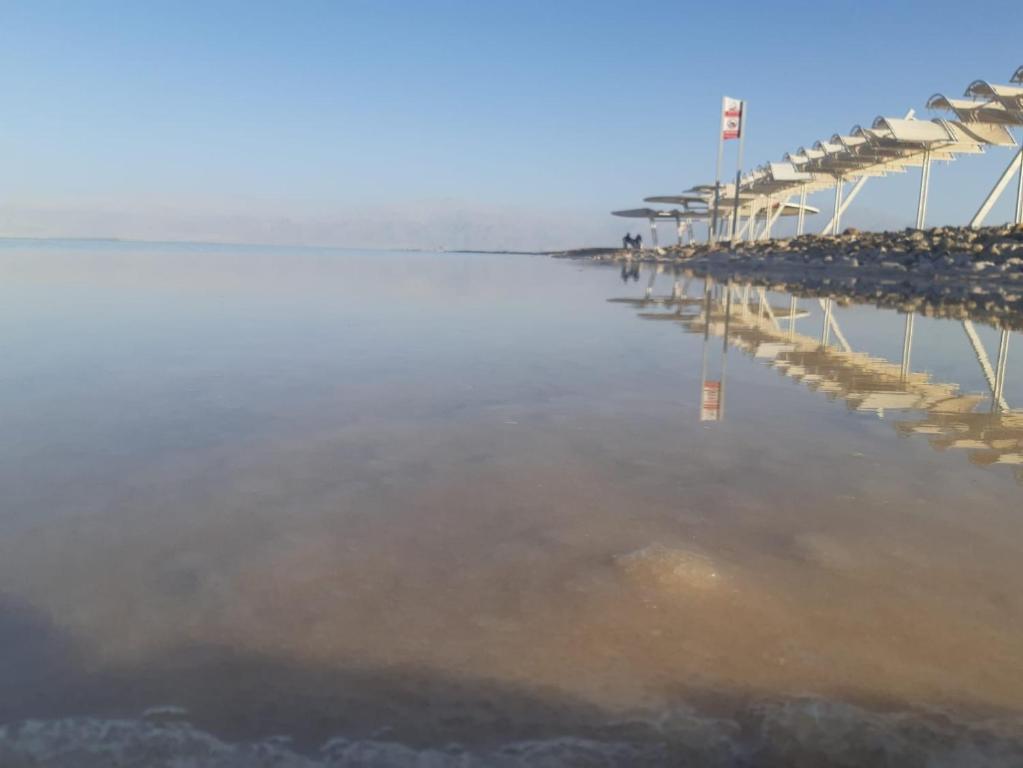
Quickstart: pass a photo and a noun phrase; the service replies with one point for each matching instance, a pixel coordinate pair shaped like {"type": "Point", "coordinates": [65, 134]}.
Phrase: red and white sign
{"type": "Point", "coordinates": [731, 118]}
{"type": "Point", "coordinates": [710, 401]}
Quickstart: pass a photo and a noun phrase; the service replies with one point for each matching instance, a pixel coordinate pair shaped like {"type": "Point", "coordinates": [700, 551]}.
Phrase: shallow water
{"type": "Point", "coordinates": [426, 498]}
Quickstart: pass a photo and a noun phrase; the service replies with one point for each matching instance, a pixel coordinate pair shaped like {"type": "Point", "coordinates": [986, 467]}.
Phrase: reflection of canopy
{"type": "Point", "coordinates": [949, 418]}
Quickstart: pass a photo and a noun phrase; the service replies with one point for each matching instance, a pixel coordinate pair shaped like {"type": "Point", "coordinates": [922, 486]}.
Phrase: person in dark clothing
{"type": "Point", "coordinates": [637, 242]}
{"type": "Point", "coordinates": [627, 241]}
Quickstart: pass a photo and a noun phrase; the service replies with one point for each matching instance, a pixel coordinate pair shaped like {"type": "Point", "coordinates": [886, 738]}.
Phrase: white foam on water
{"type": "Point", "coordinates": [785, 732]}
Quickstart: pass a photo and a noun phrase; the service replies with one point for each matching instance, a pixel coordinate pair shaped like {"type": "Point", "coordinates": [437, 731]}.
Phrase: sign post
{"type": "Point", "coordinates": [731, 128]}
{"type": "Point", "coordinates": [738, 168]}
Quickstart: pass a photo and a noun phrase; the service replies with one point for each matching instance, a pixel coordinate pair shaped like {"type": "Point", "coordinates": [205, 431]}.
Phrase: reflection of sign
{"type": "Point", "coordinates": [731, 118]}
{"type": "Point", "coordinates": [710, 401]}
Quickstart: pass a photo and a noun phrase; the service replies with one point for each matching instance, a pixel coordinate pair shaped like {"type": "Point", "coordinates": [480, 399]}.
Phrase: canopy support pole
{"type": "Point", "coordinates": [831, 228]}
{"type": "Point", "coordinates": [996, 191]}
{"type": "Point", "coordinates": [837, 218]}
{"type": "Point", "coordinates": [653, 233]}
{"type": "Point", "coordinates": [1019, 196]}
{"type": "Point", "coordinates": [801, 218]}
{"type": "Point", "coordinates": [775, 216]}
{"type": "Point", "coordinates": [744, 229]}
{"type": "Point", "coordinates": [925, 182]}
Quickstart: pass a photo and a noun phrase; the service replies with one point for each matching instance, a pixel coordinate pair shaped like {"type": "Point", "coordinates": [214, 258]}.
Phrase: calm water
{"type": "Point", "coordinates": [431, 498]}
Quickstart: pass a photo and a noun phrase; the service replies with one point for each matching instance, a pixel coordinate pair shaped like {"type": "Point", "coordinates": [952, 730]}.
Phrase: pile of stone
{"type": "Point", "coordinates": [991, 252]}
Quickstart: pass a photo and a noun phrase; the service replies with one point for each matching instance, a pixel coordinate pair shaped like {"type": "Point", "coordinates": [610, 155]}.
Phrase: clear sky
{"type": "Point", "coordinates": [480, 123]}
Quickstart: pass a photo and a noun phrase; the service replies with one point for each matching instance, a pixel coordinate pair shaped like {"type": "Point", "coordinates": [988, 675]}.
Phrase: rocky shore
{"type": "Point", "coordinates": [946, 271]}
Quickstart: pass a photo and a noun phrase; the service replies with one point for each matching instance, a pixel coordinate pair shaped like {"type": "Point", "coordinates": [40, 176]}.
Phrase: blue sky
{"type": "Point", "coordinates": [489, 124]}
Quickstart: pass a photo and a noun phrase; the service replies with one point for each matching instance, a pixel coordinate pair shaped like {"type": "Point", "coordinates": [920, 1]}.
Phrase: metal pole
{"type": "Point", "coordinates": [925, 180]}
{"type": "Point", "coordinates": [801, 218]}
{"type": "Point", "coordinates": [832, 227]}
{"type": "Point", "coordinates": [792, 317]}
{"type": "Point", "coordinates": [846, 202]}
{"type": "Point", "coordinates": [653, 232]}
{"type": "Point", "coordinates": [839, 190]}
{"type": "Point", "coordinates": [717, 176]}
{"type": "Point", "coordinates": [997, 189]}
{"type": "Point", "coordinates": [1019, 196]}
{"type": "Point", "coordinates": [738, 170]}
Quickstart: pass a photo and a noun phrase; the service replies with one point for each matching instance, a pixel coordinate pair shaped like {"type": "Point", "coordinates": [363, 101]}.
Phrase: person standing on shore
{"type": "Point", "coordinates": [638, 242]}
{"type": "Point", "coordinates": [627, 241]}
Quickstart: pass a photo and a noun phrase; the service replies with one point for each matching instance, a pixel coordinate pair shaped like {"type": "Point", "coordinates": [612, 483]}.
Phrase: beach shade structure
{"type": "Point", "coordinates": [1009, 96]}
{"type": "Point", "coordinates": [994, 106]}
{"type": "Point", "coordinates": [924, 141]}
{"type": "Point", "coordinates": [971, 111]}
{"type": "Point", "coordinates": [889, 145]}
{"type": "Point", "coordinates": [767, 191]}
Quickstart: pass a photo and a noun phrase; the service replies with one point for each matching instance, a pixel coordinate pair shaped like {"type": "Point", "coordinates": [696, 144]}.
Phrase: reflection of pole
{"type": "Point", "coordinates": [826, 331]}
{"type": "Point", "coordinates": [907, 344]}
{"type": "Point", "coordinates": [706, 338]}
{"type": "Point", "coordinates": [708, 286]}
{"type": "Point", "coordinates": [724, 351]}
{"type": "Point", "coordinates": [997, 403]}
{"type": "Point", "coordinates": [1003, 357]}
{"type": "Point", "coordinates": [792, 318]}
{"type": "Point", "coordinates": [650, 285]}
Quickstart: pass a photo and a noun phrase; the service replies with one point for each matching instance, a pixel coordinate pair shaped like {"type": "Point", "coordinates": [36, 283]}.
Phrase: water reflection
{"type": "Point", "coordinates": [742, 316]}
{"type": "Point", "coordinates": [480, 506]}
